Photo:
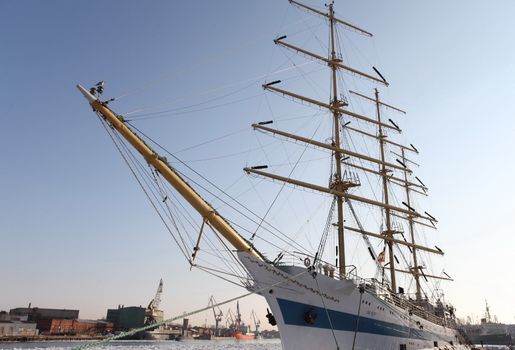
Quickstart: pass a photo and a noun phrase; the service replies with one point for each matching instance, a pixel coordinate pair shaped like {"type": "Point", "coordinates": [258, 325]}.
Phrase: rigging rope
{"type": "Point", "coordinates": [212, 59]}
{"type": "Point", "coordinates": [325, 234]}
{"type": "Point", "coordinates": [142, 187]}
{"type": "Point", "coordinates": [183, 248]}
{"type": "Point", "coordinates": [168, 213]}
{"type": "Point", "coordinates": [190, 220]}
{"type": "Point", "coordinates": [196, 95]}
{"type": "Point", "coordinates": [361, 292]}
{"type": "Point", "coordinates": [219, 189]}
{"type": "Point", "coordinates": [169, 113]}
{"type": "Point", "coordinates": [327, 314]}
{"type": "Point", "coordinates": [283, 185]}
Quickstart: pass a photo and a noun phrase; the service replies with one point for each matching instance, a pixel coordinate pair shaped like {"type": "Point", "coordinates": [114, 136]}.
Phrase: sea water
{"type": "Point", "coordinates": [265, 344]}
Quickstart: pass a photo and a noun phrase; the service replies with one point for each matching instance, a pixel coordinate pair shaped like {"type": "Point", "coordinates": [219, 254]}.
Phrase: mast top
{"type": "Point", "coordinates": [330, 5]}
{"type": "Point", "coordinates": [86, 94]}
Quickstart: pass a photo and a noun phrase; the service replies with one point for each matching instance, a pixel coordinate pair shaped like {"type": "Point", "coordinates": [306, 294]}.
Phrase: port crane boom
{"type": "Point", "coordinates": [218, 316]}
{"type": "Point", "coordinates": [257, 322]}
{"type": "Point", "coordinates": [156, 302]}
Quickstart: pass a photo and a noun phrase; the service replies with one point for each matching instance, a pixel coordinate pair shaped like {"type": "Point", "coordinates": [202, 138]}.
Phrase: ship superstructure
{"type": "Point", "coordinates": [489, 331]}
{"type": "Point", "coordinates": [325, 304]}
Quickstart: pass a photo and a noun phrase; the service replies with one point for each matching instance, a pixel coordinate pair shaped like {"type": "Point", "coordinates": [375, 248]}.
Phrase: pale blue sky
{"type": "Point", "coordinates": [76, 230]}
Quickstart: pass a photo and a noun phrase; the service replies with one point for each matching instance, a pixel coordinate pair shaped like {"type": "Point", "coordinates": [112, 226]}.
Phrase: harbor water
{"type": "Point", "coordinates": [265, 344]}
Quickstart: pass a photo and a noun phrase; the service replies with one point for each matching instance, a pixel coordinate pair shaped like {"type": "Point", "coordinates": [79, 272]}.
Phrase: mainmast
{"type": "Point", "coordinates": [388, 232]}
{"type": "Point", "coordinates": [385, 172]}
{"type": "Point", "coordinates": [337, 182]}
{"type": "Point", "coordinates": [411, 224]}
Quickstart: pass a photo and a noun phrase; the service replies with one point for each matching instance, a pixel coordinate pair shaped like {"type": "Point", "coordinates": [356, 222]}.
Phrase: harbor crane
{"type": "Point", "coordinates": [218, 316]}
{"type": "Point", "coordinates": [229, 319]}
{"type": "Point", "coordinates": [156, 302]}
{"type": "Point", "coordinates": [257, 322]}
{"type": "Point", "coordinates": [153, 314]}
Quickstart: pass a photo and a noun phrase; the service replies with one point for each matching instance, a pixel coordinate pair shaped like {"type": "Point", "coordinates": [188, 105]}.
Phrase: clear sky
{"type": "Point", "coordinates": [76, 230]}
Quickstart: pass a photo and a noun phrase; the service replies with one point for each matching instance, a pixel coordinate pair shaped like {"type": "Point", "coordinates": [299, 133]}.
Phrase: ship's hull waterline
{"type": "Point", "coordinates": [326, 313]}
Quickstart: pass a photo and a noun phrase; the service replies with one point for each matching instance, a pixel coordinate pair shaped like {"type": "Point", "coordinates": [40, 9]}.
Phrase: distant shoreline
{"type": "Point", "coordinates": [43, 338]}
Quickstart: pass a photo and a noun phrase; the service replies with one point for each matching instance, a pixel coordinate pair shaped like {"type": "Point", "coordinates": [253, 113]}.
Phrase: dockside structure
{"type": "Point", "coordinates": [126, 318]}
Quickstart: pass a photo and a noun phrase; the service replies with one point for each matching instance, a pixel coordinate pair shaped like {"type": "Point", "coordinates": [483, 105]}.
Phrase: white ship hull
{"type": "Point", "coordinates": [341, 316]}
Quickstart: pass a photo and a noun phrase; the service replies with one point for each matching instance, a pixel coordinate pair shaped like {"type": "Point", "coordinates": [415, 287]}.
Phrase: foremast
{"type": "Point", "coordinates": [337, 182]}
{"type": "Point", "coordinates": [208, 213]}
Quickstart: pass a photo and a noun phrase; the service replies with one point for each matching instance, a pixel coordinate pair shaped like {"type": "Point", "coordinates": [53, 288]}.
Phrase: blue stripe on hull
{"type": "Point", "coordinates": [293, 314]}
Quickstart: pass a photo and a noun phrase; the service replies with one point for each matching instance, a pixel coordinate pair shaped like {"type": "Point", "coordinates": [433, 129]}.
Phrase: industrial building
{"type": "Point", "coordinates": [13, 326]}
{"type": "Point", "coordinates": [74, 327]}
{"type": "Point", "coordinates": [126, 318]}
{"type": "Point", "coordinates": [44, 318]}
{"type": "Point", "coordinates": [17, 328]}
{"type": "Point", "coordinates": [67, 322]}
{"type": "Point", "coordinates": [52, 322]}
{"type": "Point", "coordinates": [36, 313]}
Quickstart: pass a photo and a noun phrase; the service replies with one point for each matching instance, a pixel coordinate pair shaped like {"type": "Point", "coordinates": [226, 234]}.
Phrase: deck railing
{"type": "Point", "coordinates": [371, 285]}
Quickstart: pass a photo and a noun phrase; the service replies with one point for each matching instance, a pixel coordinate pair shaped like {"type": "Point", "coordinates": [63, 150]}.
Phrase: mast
{"type": "Point", "coordinates": [384, 174]}
{"type": "Point", "coordinates": [208, 213]}
{"type": "Point", "coordinates": [339, 184]}
{"type": "Point", "coordinates": [337, 181]}
{"type": "Point", "coordinates": [416, 272]}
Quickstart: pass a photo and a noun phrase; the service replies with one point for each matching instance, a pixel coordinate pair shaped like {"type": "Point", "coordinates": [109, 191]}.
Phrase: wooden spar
{"type": "Point", "coordinates": [197, 245]}
{"type": "Point", "coordinates": [403, 184]}
{"type": "Point", "coordinates": [209, 214]}
{"type": "Point", "coordinates": [405, 160]}
{"type": "Point", "coordinates": [330, 62]}
{"type": "Point", "coordinates": [390, 177]}
{"type": "Point", "coordinates": [416, 222]}
{"type": "Point", "coordinates": [377, 137]}
{"type": "Point", "coordinates": [329, 147]}
{"type": "Point", "coordinates": [393, 240]}
{"type": "Point", "coordinates": [297, 96]}
{"type": "Point", "coordinates": [362, 31]}
{"type": "Point", "coordinates": [328, 106]}
{"type": "Point", "coordinates": [373, 100]}
{"type": "Point", "coordinates": [334, 192]}
{"type": "Point", "coordinates": [420, 274]}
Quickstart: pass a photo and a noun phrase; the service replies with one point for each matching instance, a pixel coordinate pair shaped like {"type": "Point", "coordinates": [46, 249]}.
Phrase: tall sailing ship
{"type": "Point", "coordinates": [316, 299]}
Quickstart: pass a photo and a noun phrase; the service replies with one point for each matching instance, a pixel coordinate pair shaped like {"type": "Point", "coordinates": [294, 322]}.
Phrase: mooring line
{"type": "Point", "coordinates": [327, 315]}
{"type": "Point", "coordinates": [157, 324]}
{"type": "Point", "coordinates": [361, 292]}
